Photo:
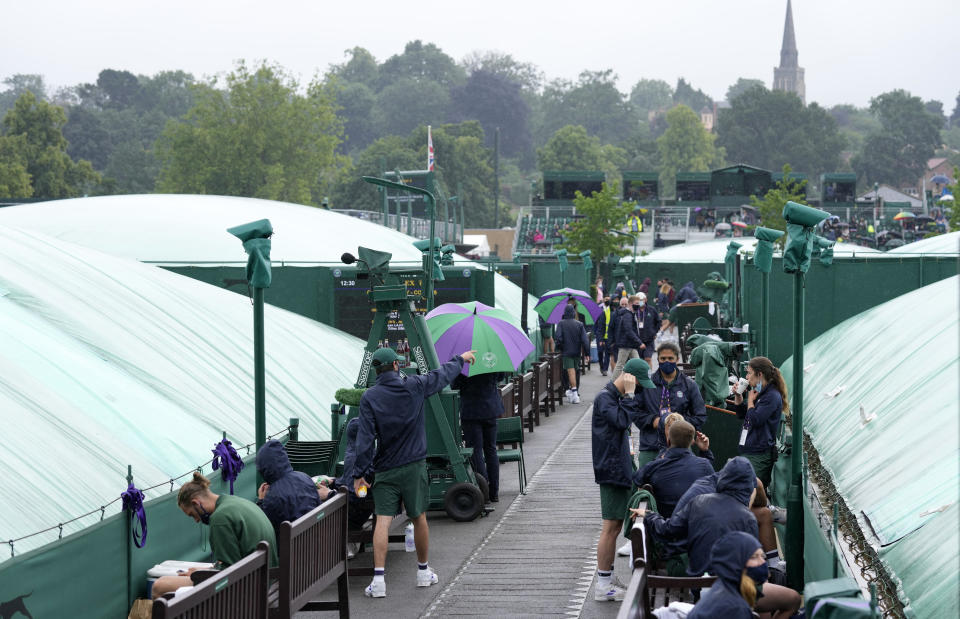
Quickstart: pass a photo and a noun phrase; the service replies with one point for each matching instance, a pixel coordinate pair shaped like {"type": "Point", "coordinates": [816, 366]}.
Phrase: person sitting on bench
{"type": "Point", "coordinates": [285, 494]}
{"type": "Point", "coordinates": [236, 527]}
{"type": "Point", "coordinates": [673, 474]}
{"type": "Point", "coordinates": [737, 561]}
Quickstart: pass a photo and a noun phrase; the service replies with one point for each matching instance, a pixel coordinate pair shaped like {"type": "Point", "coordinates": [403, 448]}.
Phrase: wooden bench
{"type": "Point", "coordinates": [524, 396]}
{"type": "Point", "coordinates": [555, 379]}
{"type": "Point", "coordinates": [541, 388]}
{"type": "Point", "coordinates": [312, 552]}
{"type": "Point", "coordinates": [507, 395]}
{"type": "Point", "coordinates": [238, 592]}
{"type": "Point", "coordinates": [648, 590]}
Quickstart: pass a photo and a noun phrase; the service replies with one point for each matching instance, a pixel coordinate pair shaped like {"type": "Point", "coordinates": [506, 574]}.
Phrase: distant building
{"type": "Point", "coordinates": [789, 75]}
{"type": "Point", "coordinates": [709, 115]}
{"type": "Point", "coordinates": [890, 194]}
{"type": "Point", "coordinates": [935, 166]}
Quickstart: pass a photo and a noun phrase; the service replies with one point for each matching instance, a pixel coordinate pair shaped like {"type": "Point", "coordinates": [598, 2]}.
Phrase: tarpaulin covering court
{"type": "Point", "coordinates": [881, 409]}
{"type": "Point", "coordinates": [108, 362]}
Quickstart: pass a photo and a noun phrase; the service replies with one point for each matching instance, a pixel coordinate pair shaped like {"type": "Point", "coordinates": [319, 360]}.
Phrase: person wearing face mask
{"type": "Point", "coordinates": [737, 561]}
{"type": "Point", "coordinates": [761, 414]}
{"type": "Point", "coordinates": [601, 328]}
{"type": "Point", "coordinates": [627, 334]}
{"type": "Point", "coordinates": [674, 392]}
{"type": "Point", "coordinates": [236, 527]}
{"type": "Point", "coordinates": [648, 325]}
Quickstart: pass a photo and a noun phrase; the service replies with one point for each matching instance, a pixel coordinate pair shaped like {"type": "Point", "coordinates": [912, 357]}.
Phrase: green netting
{"type": "Point", "coordinates": [108, 362]}
{"type": "Point", "coordinates": [896, 364]}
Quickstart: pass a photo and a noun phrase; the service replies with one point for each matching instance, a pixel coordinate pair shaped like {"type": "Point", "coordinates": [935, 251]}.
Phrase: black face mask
{"type": "Point", "coordinates": [203, 514]}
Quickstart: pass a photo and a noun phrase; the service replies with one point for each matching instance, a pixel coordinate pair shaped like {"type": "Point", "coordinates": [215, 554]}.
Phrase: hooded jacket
{"type": "Point", "coordinates": [706, 518]}
{"type": "Point", "coordinates": [627, 335]}
{"type": "Point", "coordinates": [292, 493]}
{"type": "Point", "coordinates": [571, 335]}
{"type": "Point", "coordinates": [392, 423]}
{"type": "Point", "coordinates": [612, 415]}
{"type": "Point", "coordinates": [681, 396]}
{"type": "Point", "coordinates": [687, 294]}
{"type": "Point", "coordinates": [350, 455]}
{"type": "Point", "coordinates": [728, 557]}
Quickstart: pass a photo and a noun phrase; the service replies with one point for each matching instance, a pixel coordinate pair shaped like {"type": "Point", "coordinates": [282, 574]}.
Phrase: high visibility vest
{"type": "Point", "coordinates": [635, 224]}
{"type": "Point", "coordinates": [606, 314]}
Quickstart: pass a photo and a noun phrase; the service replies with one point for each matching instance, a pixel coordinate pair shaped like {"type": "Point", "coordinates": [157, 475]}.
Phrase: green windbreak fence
{"type": "Point", "coordinates": [836, 292]}
{"type": "Point", "coordinates": [545, 276]}
{"type": "Point", "coordinates": [86, 575]}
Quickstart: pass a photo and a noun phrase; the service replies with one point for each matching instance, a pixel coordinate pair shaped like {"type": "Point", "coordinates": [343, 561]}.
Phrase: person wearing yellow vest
{"type": "Point", "coordinates": [600, 329]}
{"type": "Point", "coordinates": [635, 224]}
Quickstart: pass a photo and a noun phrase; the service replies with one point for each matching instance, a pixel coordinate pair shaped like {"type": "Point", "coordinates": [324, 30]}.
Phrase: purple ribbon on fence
{"type": "Point", "coordinates": [226, 458]}
{"type": "Point", "coordinates": [133, 502]}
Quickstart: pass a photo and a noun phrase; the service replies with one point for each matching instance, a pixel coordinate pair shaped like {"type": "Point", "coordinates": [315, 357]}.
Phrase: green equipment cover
{"type": "Point", "coordinates": [800, 220]}
{"type": "Point", "coordinates": [256, 242]}
{"type": "Point", "coordinates": [710, 359]}
{"type": "Point", "coordinates": [825, 249]}
{"type": "Point", "coordinates": [763, 256]}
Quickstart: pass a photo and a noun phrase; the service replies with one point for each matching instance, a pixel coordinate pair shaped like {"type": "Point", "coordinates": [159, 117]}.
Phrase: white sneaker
{"type": "Point", "coordinates": [376, 589]}
{"type": "Point", "coordinates": [779, 514]}
{"type": "Point", "coordinates": [569, 395]}
{"type": "Point", "coordinates": [624, 551]}
{"type": "Point", "coordinates": [613, 593]}
{"type": "Point", "coordinates": [574, 397]}
{"type": "Point", "coordinates": [426, 577]}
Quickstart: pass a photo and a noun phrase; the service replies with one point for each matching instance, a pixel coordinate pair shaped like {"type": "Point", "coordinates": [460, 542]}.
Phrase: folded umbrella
{"type": "Point", "coordinates": [456, 327]}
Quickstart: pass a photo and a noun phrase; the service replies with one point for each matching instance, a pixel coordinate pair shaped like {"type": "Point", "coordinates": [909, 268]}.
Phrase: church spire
{"type": "Point", "coordinates": [788, 51]}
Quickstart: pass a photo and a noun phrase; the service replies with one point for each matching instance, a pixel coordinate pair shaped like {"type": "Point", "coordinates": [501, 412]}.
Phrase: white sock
{"type": "Point", "coordinates": [604, 579]}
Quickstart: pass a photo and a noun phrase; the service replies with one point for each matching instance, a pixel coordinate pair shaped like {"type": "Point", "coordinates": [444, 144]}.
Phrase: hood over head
{"type": "Point", "coordinates": [272, 461]}
{"type": "Point", "coordinates": [737, 479]}
{"type": "Point", "coordinates": [730, 554]}
{"type": "Point", "coordinates": [569, 312]}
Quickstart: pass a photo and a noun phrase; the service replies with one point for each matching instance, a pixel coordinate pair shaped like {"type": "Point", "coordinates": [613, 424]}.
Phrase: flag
{"type": "Point", "coordinates": [429, 150]}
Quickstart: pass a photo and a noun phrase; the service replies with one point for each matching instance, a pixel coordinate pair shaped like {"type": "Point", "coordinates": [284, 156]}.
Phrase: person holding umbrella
{"type": "Point", "coordinates": [573, 343]}
{"type": "Point", "coordinates": [501, 347]}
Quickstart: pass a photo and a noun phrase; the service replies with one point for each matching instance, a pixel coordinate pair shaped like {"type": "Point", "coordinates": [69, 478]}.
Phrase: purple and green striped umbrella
{"type": "Point", "coordinates": [553, 302]}
{"type": "Point", "coordinates": [457, 327]}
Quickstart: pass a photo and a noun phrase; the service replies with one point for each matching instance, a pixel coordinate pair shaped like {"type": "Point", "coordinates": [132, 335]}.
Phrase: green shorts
{"type": "Point", "coordinates": [407, 483]}
{"type": "Point", "coordinates": [762, 466]}
{"type": "Point", "coordinates": [614, 501]}
{"type": "Point", "coordinates": [571, 363]}
{"type": "Point", "coordinates": [546, 332]}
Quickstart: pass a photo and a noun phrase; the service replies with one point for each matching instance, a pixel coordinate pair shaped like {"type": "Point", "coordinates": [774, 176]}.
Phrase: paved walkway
{"type": "Point", "coordinates": [535, 556]}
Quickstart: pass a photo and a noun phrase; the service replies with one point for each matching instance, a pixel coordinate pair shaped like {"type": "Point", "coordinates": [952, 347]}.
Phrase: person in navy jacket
{"type": "Point", "coordinates": [285, 494]}
{"type": "Point", "coordinates": [737, 561]}
{"type": "Point", "coordinates": [392, 442]}
{"type": "Point", "coordinates": [617, 405]}
{"type": "Point", "coordinates": [761, 413]}
{"type": "Point", "coordinates": [573, 343]}
{"type": "Point", "coordinates": [674, 392]}
{"type": "Point", "coordinates": [673, 474]}
{"type": "Point", "coordinates": [480, 405]}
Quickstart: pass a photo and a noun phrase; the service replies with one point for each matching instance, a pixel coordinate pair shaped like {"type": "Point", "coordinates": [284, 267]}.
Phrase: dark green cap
{"type": "Point", "coordinates": [384, 356]}
{"type": "Point", "coordinates": [640, 369]}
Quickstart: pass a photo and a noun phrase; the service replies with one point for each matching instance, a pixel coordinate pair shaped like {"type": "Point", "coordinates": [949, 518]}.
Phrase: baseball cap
{"type": "Point", "coordinates": [384, 356]}
{"type": "Point", "coordinates": [640, 369]}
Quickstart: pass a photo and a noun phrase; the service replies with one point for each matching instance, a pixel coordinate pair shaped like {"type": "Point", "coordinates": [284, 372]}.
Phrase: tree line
{"type": "Point", "coordinates": [258, 131]}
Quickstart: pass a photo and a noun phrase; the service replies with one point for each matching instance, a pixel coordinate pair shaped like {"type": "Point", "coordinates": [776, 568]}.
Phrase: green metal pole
{"type": "Point", "coordinates": [795, 493]}
{"type": "Point", "coordinates": [431, 205]}
{"type": "Point", "coordinates": [764, 312]}
{"type": "Point", "coordinates": [129, 544]}
{"type": "Point", "coordinates": [260, 408]}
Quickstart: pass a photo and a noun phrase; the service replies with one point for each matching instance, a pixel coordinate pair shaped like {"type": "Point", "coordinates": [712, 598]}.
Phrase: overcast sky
{"type": "Point", "coordinates": [851, 49]}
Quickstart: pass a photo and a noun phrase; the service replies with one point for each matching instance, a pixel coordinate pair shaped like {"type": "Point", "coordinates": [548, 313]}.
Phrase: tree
{"type": "Point", "coordinates": [770, 207]}
{"type": "Point", "coordinates": [14, 178]}
{"type": "Point", "coordinates": [571, 148]}
{"type": "Point", "coordinates": [898, 153]}
{"type": "Point", "coordinates": [422, 63]}
{"type": "Point", "coordinates": [18, 84]}
{"type": "Point", "coordinates": [935, 108]}
{"type": "Point", "coordinates": [687, 95]}
{"type": "Point", "coordinates": [955, 208]}
{"type": "Point", "coordinates": [593, 102]}
{"type": "Point", "coordinates": [955, 116]}
{"type": "Point", "coordinates": [602, 212]}
{"type": "Point", "coordinates": [496, 101]}
{"type": "Point", "coordinates": [741, 86]}
{"type": "Point", "coordinates": [258, 138]}
{"type": "Point", "coordinates": [360, 69]}
{"type": "Point", "coordinates": [685, 146]}
{"type": "Point", "coordinates": [408, 103]}
{"type": "Point", "coordinates": [651, 96]}
{"type": "Point", "coordinates": [53, 174]}
{"type": "Point", "coordinates": [769, 128]}
{"type": "Point", "coordinates": [527, 75]}
{"type": "Point", "coordinates": [356, 103]}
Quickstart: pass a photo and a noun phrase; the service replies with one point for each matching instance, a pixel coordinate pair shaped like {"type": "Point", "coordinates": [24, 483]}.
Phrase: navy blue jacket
{"type": "Point", "coordinates": [762, 421]}
{"type": "Point", "coordinates": [614, 324]}
{"type": "Point", "coordinates": [687, 294]}
{"type": "Point", "coordinates": [612, 415]}
{"type": "Point", "coordinates": [728, 558]}
{"type": "Point", "coordinates": [672, 475]}
{"type": "Point", "coordinates": [350, 455]}
{"type": "Point", "coordinates": [479, 396]}
{"type": "Point", "coordinates": [600, 325]}
{"type": "Point", "coordinates": [292, 493]}
{"type": "Point", "coordinates": [683, 396]}
{"type": "Point", "coordinates": [651, 324]}
{"type": "Point", "coordinates": [626, 334]}
{"type": "Point", "coordinates": [705, 518]}
{"type": "Point", "coordinates": [391, 413]}
{"type": "Point", "coordinates": [571, 336]}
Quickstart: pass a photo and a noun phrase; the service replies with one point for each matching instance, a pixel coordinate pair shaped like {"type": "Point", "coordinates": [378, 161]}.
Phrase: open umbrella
{"type": "Point", "coordinates": [739, 224]}
{"type": "Point", "coordinates": [903, 215]}
{"type": "Point", "coordinates": [501, 346]}
{"type": "Point", "coordinates": [946, 197]}
{"type": "Point", "coordinates": [552, 303]}
{"type": "Point", "coordinates": [722, 226]}
{"type": "Point", "coordinates": [940, 179]}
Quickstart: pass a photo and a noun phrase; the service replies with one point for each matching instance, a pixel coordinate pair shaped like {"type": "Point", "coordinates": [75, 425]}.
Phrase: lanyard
{"type": "Point", "coordinates": [665, 396]}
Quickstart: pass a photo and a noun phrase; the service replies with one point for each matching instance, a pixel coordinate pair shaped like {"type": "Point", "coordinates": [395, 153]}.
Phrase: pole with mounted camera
{"type": "Point", "coordinates": [763, 260]}
{"type": "Point", "coordinates": [797, 251]}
